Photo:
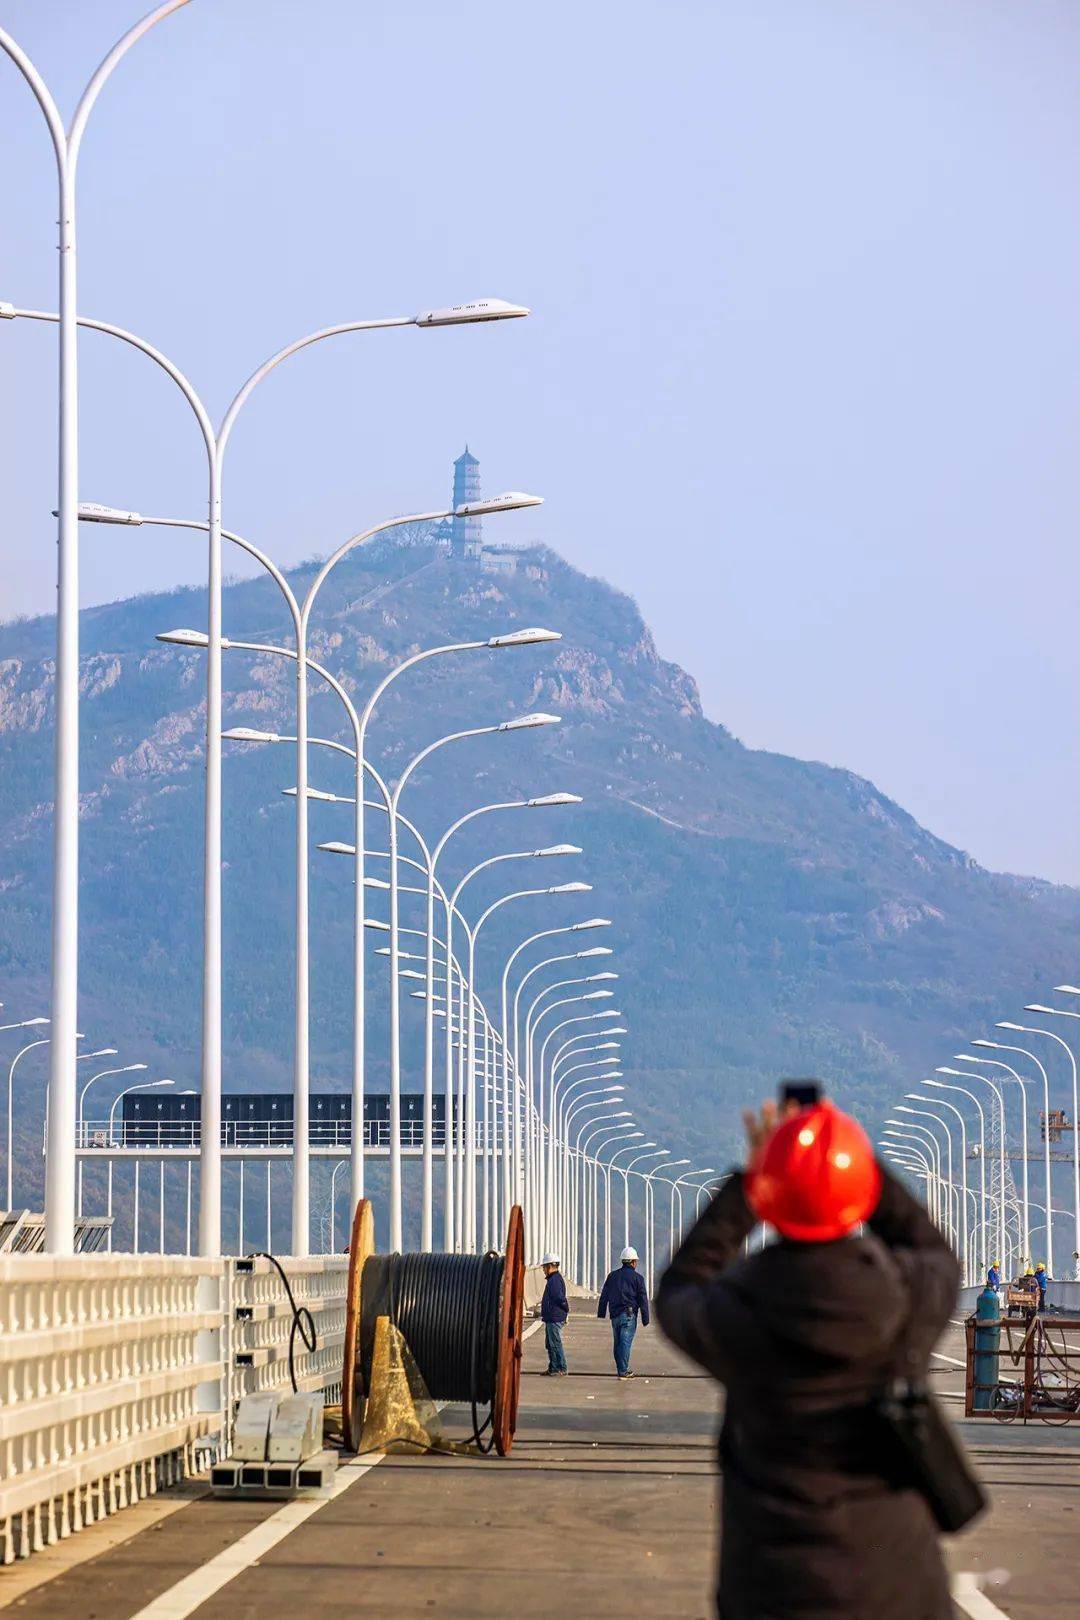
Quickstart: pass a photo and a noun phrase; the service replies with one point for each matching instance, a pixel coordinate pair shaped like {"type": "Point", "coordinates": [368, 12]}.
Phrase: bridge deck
{"type": "Point", "coordinates": [610, 1493]}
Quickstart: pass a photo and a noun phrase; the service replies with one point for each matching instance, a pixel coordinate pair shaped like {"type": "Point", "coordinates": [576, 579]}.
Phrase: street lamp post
{"type": "Point", "coordinates": [146, 1085]}
{"type": "Point", "coordinates": [967, 1074]}
{"type": "Point", "coordinates": [1001, 1046]}
{"type": "Point", "coordinates": [24, 1024]}
{"type": "Point", "coordinates": [60, 1157]}
{"type": "Point", "coordinates": [1059, 1012]}
{"type": "Point", "coordinates": [940, 1102]}
{"type": "Point", "coordinates": [127, 1068]}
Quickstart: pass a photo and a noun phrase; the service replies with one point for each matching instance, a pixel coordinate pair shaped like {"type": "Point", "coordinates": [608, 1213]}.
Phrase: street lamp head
{"type": "Point", "coordinates": [570, 888]}
{"type": "Point", "coordinates": [937, 1083]}
{"type": "Point", "coordinates": [102, 1051]}
{"type": "Point", "coordinates": [595, 978]}
{"type": "Point", "coordinates": [373, 882]}
{"type": "Point", "coordinates": [1034, 1006]}
{"type": "Point", "coordinates": [29, 1023]}
{"type": "Point", "coordinates": [559, 849]}
{"type": "Point", "coordinates": [375, 922]}
{"type": "Point", "coordinates": [591, 922]}
{"type": "Point", "coordinates": [1068, 989]}
{"type": "Point", "coordinates": [524, 638]}
{"type": "Point", "coordinates": [982, 1041]}
{"type": "Point", "coordinates": [246, 733]}
{"type": "Point", "coordinates": [526, 722]}
{"type": "Point", "coordinates": [481, 309]}
{"type": "Point", "coordinates": [1005, 1024]}
{"type": "Point", "coordinates": [130, 1068]}
{"type": "Point", "coordinates": [596, 950]}
{"type": "Point", "coordinates": [317, 793]}
{"type": "Point", "coordinates": [513, 501]}
{"type": "Point", "coordinates": [91, 512]}
{"type": "Point", "coordinates": [184, 638]}
{"type": "Point", "coordinates": [543, 800]}
{"type": "Point", "coordinates": [598, 995]}
{"type": "Point", "coordinates": [334, 847]}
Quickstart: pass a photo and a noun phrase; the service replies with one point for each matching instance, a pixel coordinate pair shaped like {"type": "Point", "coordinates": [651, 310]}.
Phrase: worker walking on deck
{"type": "Point", "coordinates": [821, 1518]}
{"type": "Point", "coordinates": [623, 1295]}
{"type": "Point", "coordinates": [553, 1313]}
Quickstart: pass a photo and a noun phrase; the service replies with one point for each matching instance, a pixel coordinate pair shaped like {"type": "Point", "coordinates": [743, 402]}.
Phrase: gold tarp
{"type": "Point", "coordinates": [400, 1415]}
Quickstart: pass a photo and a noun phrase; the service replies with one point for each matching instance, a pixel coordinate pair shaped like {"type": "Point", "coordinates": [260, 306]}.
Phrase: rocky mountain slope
{"type": "Point", "coordinates": [771, 916]}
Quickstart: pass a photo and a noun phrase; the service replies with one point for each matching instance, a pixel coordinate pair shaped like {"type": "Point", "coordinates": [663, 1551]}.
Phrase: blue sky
{"type": "Point", "coordinates": [802, 375]}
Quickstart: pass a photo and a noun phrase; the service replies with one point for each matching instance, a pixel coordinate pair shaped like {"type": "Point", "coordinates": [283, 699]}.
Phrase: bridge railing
{"type": "Point", "coordinates": [255, 1133]}
{"type": "Point", "coordinates": [110, 1379]}
{"type": "Point", "coordinates": [259, 1325]}
{"type": "Point", "coordinates": [122, 1373]}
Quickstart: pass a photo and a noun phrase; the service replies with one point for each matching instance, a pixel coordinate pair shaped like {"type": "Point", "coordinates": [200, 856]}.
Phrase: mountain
{"type": "Point", "coordinates": [772, 916]}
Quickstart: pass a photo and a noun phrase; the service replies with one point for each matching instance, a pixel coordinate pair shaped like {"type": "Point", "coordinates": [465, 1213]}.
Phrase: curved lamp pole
{"type": "Point", "coordinates": [1022, 1051]}
{"type": "Point", "coordinates": [127, 1068]}
{"type": "Point", "coordinates": [1059, 1012]}
{"type": "Point", "coordinates": [146, 1085]}
{"type": "Point", "coordinates": [67, 143]}
{"type": "Point", "coordinates": [968, 1074]}
{"type": "Point", "coordinates": [940, 1102]}
{"type": "Point", "coordinates": [952, 1226]}
{"type": "Point", "coordinates": [591, 1172]}
{"type": "Point", "coordinates": [896, 1135]}
{"type": "Point", "coordinates": [25, 1023]}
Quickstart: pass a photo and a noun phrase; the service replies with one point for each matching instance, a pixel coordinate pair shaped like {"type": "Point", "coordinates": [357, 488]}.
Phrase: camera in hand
{"type": "Point", "coordinates": [803, 1093]}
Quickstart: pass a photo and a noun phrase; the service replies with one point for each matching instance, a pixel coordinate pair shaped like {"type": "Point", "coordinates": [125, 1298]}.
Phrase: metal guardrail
{"type": "Point", "coordinates": [256, 1134]}
{"type": "Point", "coordinates": [22, 1231]}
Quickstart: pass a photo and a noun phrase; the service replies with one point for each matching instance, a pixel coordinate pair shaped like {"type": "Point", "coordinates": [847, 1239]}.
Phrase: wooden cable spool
{"type": "Point", "coordinates": [501, 1357]}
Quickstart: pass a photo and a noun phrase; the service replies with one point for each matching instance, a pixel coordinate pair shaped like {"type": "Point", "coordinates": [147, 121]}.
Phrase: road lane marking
{"type": "Point", "coordinates": [968, 1596]}
{"type": "Point", "coordinates": [950, 1359]}
{"type": "Point", "coordinates": [193, 1590]}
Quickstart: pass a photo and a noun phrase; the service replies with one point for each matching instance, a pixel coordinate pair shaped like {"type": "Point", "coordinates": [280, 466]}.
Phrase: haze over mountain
{"type": "Point", "coordinates": [771, 916]}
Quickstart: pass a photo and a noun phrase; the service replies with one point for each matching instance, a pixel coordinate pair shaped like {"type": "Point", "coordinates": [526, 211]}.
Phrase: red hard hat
{"type": "Point", "coordinates": [815, 1177]}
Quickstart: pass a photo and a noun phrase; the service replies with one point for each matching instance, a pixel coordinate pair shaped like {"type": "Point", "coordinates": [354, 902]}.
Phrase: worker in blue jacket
{"type": "Point", "coordinates": [993, 1276]}
{"type": "Point", "coordinates": [553, 1313]}
{"type": "Point", "coordinates": [624, 1294]}
{"type": "Point", "coordinates": [1040, 1278]}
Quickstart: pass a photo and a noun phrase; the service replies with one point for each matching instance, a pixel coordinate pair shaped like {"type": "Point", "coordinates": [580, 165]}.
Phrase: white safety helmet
{"type": "Point", "coordinates": [629, 1253]}
{"type": "Point", "coordinates": [550, 1260]}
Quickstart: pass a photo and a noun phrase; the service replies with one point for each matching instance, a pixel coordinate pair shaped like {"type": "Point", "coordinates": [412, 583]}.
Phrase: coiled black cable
{"type": "Point", "coordinates": [447, 1308]}
{"type": "Point", "coordinates": [303, 1323]}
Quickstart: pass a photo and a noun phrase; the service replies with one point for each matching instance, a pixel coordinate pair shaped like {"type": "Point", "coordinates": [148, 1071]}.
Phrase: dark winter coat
{"type": "Point", "coordinates": [625, 1291]}
{"type": "Point", "coordinates": [553, 1306]}
{"type": "Point", "coordinates": [803, 1336]}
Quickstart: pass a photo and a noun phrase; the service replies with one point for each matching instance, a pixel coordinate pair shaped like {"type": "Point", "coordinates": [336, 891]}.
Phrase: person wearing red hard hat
{"type": "Point", "coordinates": [818, 1521]}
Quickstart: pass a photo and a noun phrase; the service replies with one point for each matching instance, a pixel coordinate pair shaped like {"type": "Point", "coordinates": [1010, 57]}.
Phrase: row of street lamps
{"type": "Point", "coordinates": [524, 1136]}
{"type": "Point", "coordinates": [987, 1224]}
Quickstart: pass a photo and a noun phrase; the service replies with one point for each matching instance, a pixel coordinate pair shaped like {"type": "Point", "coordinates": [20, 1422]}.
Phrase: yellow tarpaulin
{"type": "Point", "coordinates": [400, 1415]}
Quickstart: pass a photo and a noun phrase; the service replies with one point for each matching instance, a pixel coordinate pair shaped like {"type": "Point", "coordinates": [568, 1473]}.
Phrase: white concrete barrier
{"type": "Point", "coordinates": [260, 1325]}
{"type": "Point", "coordinates": [122, 1373]}
{"type": "Point", "coordinates": [109, 1381]}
